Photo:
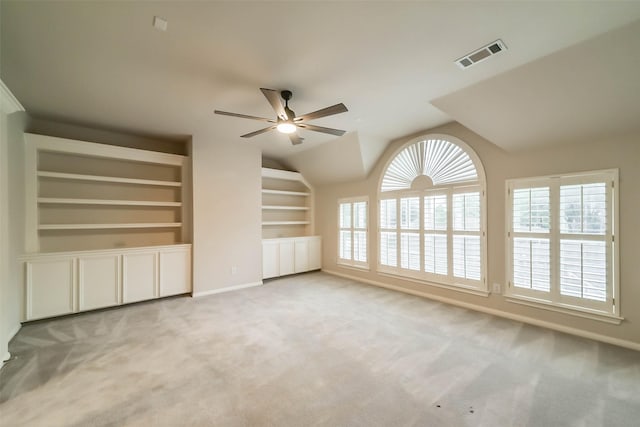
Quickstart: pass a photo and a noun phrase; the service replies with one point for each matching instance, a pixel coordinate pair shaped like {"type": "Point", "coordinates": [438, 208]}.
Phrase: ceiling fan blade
{"type": "Point", "coordinates": [243, 116]}
{"type": "Point", "coordinates": [258, 132]}
{"type": "Point", "coordinates": [329, 111]}
{"type": "Point", "coordinates": [273, 96]}
{"type": "Point", "coordinates": [322, 129]}
{"type": "Point", "coordinates": [295, 139]}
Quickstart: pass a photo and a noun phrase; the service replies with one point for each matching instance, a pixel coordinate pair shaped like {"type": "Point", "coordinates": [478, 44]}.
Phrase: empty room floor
{"type": "Point", "coordinates": [311, 350]}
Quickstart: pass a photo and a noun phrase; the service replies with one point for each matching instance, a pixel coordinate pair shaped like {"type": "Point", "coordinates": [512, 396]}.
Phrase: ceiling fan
{"type": "Point", "coordinates": [286, 121]}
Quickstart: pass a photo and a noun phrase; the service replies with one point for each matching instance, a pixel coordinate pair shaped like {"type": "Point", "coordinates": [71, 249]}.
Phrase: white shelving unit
{"type": "Point", "coordinates": [106, 225]}
{"type": "Point", "coordinates": [287, 204]}
{"type": "Point", "coordinates": [288, 244]}
{"type": "Point", "coordinates": [88, 196]}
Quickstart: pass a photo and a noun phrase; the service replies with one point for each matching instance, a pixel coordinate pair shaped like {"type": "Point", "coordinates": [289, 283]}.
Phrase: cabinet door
{"type": "Point", "coordinates": [315, 253]}
{"type": "Point", "coordinates": [98, 281]}
{"type": "Point", "coordinates": [302, 255]}
{"type": "Point", "coordinates": [50, 288]}
{"type": "Point", "coordinates": [175, 272]}
{"type": "Point", "coordinates": [139, 278]}
{"type": "Point", "coordinates": [270, 260]}
{"type": "Point", "coordinates": [286, 261]}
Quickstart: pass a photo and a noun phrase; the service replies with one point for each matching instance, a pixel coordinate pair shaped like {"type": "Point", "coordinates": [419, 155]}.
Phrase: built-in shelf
{"type": "Point", "coordinates": [286, 193]}
{"type": "Point", "coordinates": [285, 208]}
{"type": "Point", "coordinates": [98, 178]}
{"type": "Point", "coordinates": [286, 222]}
{"type": "Point", "coordinates": [61, 201]}
{"type": "Point", "coordinates": [86, 196]}
{"type": "Point", "coordinates": [287, 204]}
{"type": "Point", "coordinates": [109, 226]}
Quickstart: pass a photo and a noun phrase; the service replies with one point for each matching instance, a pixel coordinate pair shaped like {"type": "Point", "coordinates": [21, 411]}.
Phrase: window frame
{"type": "Point", "coordinates": [352, 262]}
{"type": "Point", "coordinates": [449, 281]}
{"type": "Point", "coordinates": [608, 310]}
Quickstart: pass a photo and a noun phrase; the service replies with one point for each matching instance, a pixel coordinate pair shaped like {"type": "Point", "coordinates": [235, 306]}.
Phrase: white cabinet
{"type": "Point", "coordinates": [270, 259]}
{"type": "Point", "coordinates": [98, 281]}
{"type": "Point", "coordinates": [175, 272]}
{"type": "Point", "coordinates": [50, 287]}
{"type": "Point", "coordinates": [70, 282]}
{"type": "Point", "coordinates": [315, 254]}
{"type": "Point", "coordinates": [290, 255]}
{"type": "Point", "coordinates": [301, 256]}
{"type": "Point", "coordinates": [286, 261]}
{"type": "Point", "coordinates": [139, 276]}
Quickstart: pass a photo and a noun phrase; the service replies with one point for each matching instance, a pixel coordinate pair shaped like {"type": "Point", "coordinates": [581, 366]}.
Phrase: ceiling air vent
{"type": "Point", "coordinates": [481, 54]}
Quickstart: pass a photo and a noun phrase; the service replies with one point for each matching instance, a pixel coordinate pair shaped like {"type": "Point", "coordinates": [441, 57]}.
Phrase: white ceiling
{"type": "Point", "coordinates": [103, 64]}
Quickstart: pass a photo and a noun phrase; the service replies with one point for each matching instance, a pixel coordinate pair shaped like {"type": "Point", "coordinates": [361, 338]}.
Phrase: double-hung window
{"type": "Point", "coordinates": [432, 215]}
{"type": "Point", "coordinates": [561, 242]}
{"type": "Point", "coordinates": [352, 239]}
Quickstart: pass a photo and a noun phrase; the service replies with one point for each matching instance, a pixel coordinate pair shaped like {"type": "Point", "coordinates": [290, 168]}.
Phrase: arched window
{"type": "Point", "coordinates": [432, 214]}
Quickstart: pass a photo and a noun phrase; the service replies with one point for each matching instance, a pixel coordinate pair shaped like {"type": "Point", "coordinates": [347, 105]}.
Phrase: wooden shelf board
{"type": "Point", "coordinates": [285, 208]}
{"type": "Point", "coordinates": [98, 178]}
{"type": "Point", "coordinates": [108, 226]}
{"type": "Point", "coordinates": [285, 223]}
{"type": "Point", "coordinates": [63, 201]}
{"type": "Point", "coordinates": [285, 193]}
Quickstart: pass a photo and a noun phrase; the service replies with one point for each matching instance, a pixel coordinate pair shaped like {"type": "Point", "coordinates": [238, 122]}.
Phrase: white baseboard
{"type": "Point", "coordinates": [227, 289]}
{"type": "Point", "coordinates": [524, 319]}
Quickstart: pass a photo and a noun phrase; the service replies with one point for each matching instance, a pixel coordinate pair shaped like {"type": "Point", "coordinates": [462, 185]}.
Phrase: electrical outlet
{"type": "Point", "coordinates": [497, 289]}
{"type": "Point", "coordinates": [234, 270]}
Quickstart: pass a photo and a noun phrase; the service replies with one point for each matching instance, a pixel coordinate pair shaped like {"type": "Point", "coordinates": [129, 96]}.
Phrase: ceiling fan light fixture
{"type": "Point", "coordinates": [286, 127]}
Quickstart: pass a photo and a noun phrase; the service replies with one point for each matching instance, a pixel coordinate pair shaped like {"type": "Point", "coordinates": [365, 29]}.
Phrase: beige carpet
{"type": "Point", "coordinates": [311, 350]}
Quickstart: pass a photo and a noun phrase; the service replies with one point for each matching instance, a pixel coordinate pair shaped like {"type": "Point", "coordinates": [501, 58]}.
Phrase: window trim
{"type": "Point", "coordinates": [352, 263]}
{"type": "Point", "coordinates": [553, 301]}
{"type": "Point", "coordinates": [480, 287]}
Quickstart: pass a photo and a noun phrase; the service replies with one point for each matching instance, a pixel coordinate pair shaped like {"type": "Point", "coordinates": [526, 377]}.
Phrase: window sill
{"type": "Point", "coordinates": [566, 309]}
{"type": "Point", "coordinates": [358, 267]}
{"type": "Point", "coordinates": [458, 288]}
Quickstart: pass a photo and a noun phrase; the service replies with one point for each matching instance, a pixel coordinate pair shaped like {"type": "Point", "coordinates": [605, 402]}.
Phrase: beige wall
{"type": "Point", "coordinates": [226, 215]}
{"type": "Point", "coordinates": [622, 153]}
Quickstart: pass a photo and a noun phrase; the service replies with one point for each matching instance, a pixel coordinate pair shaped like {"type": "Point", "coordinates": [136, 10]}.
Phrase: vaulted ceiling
{"type": "Point", "coordinates": [569, 71]}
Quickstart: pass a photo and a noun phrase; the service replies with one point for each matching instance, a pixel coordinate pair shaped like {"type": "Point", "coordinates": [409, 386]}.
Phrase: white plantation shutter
{"type": "Point", "coordinates": [583, 269]}
{"type": "Point", "coordinates": [531, 210]}
{"type": "Point", "coordinates": [435, 254]}
{"type": "Point", "coordinates": [410, 213]}
{"type": "Point", "coordinates": [388, 248]}
{"type": "Point", "coordinates": [360, 215]}
{"type": "Point", "coordinates": [531, 263]}
{"type": "Point", "coordinates": [345, 215]}
{"type": "Point", "coordinates": [410, 251]}
{"type": "Point", "coordinates": [583, 228]}
{"type": "Point", "coordinates": [531, 257]}
{"type": "Point", "coordinates": [435, 238]}
{"type": "Point", "coordinates": [410, 242]}
{"type": "Point", "coordinates": [352, 244]}
{"type": "Point", "coordinates": [388, 214]}
{"type": "Point", "coordinates": [434, 233]}
{"type": "Point", "coordinates": [466, 257]}
{"type": "Point", "coordinates": [388, 236]}
{"type": "Point", "coordinates": [345, 244]}
{"type": "Point", "coordinates": [435, 212]}
{"type": "Point", "coordinates": [360, 246]}
{"type": "Point", "coordinates": [466, 235]}
{"type": "Point", "coordinates": [440, 160]}
{"type": "Point", "coordinates": [564, 225]}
